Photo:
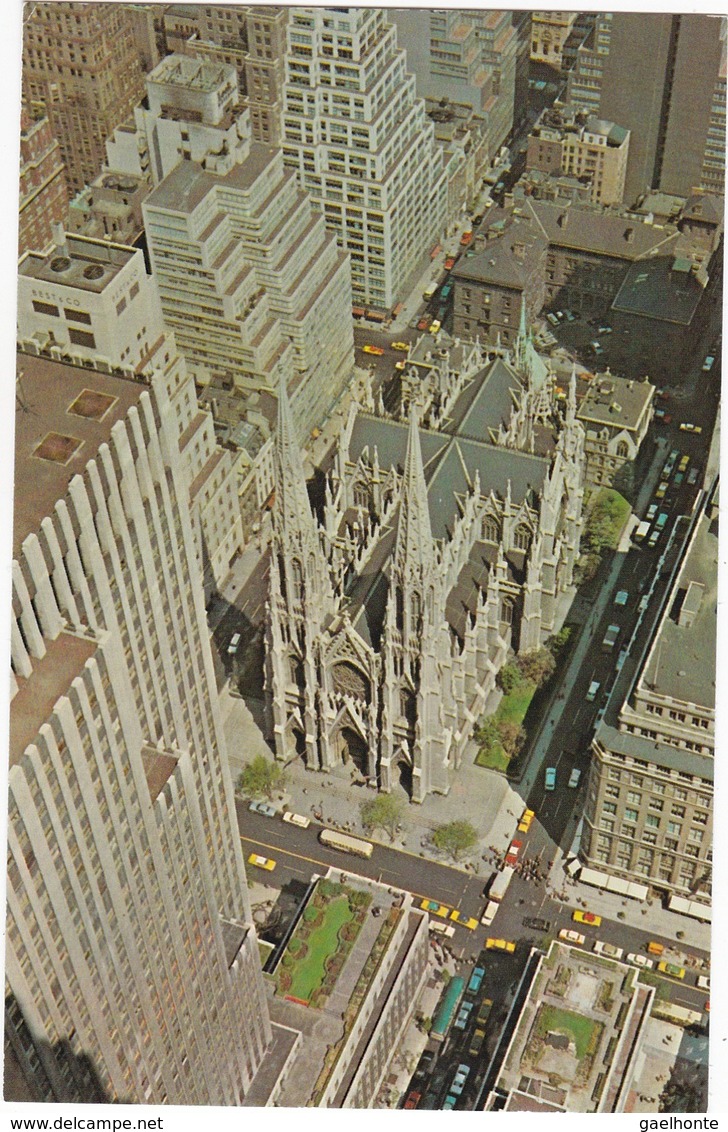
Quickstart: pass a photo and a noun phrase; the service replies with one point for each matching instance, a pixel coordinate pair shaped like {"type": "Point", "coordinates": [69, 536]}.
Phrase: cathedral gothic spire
{"type": "Point", "coordinates": [414, 547]}
{"type": "Point", "coordinates": [292, 506]}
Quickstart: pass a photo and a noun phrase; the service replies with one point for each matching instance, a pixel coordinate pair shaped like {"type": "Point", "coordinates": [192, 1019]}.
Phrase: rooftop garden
{"type": "Point", "coordinates": [319, 947]}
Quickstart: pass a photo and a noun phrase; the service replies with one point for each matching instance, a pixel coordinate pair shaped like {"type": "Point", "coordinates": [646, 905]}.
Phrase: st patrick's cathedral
{"type": "Point", "coordinates": [445, 537]}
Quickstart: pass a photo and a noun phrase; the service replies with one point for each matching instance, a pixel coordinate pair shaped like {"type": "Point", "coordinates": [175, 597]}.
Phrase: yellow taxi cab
{"type": "Point", "coordinates": [525, 823]}
{"type": "Point", "coordinates": [400, 365]}
{"type": "Point", "coordinates": [587, 918]}
{"type": "Point", "coordinates": [436, 908]}
{"type": "Point", "coordinates": [400, 346]}
{"type": "Point", "coordinates": [261, 862]}
{"type": "Point", "coordinates": [671, 969]}
{"type": "Point", "coordinates": [500, 945]}
{"type": "Point", "coordinates": [464, 921]}
{"type": "Point", "coordinates": [435, 326]}
{"type": "Point", "coordinates": [377, 350]}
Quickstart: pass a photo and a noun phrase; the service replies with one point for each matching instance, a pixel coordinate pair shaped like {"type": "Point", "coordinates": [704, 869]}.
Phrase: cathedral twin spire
{"type": "Point", "coordinates": [292, 507]}
{"type": "Point", "coordinates": [414, 547]}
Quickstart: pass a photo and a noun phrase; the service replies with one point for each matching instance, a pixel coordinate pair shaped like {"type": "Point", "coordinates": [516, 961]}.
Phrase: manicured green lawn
{"type": "Point", "coordinates": [309, 972]}
{"type": "Point", "coordinates": [579, 1029]}
{"type": "Point", "coordinates": [511, 709]}
{"type": "Point", "coordinates": [514, 706]}
{"type": "Point", "coordinates": [494, 759]}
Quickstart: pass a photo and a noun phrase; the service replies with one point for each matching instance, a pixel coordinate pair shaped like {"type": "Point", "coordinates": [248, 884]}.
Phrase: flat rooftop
{"type": "Point", "coordinates": [185, 71]}
{"type": "Point", "coordinates": [615, 401]}
{"type": "Point", "coordinates": [62, 414]}
{"type": "Point", "coordinates": [579, 1028]}
{"type": "Point", "coordinates": [663, 288]}
{"type": "Point", "coordinates": [83, 263]}
{"type": "Point", "coordinates": [682, 660]}
{"type": "Point", "coordinates": [188, 184]}
{"type": "Point", "coordinates": [38, 694]}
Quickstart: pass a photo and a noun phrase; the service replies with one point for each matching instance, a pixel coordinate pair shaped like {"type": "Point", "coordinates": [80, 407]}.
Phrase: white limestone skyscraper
{"type": "Point", "coordinates": [362, 145]}
{"type": "Point", "coordinates": [132, 969]}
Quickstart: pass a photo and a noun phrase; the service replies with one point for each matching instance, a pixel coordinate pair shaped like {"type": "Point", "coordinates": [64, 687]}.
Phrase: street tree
{"type": "Point", "coordinates": [383, 812]}
{"type": "Point", "coordinates": [537, 665]}
{"type": "Point", "coordinates": [260, 778]}
{"type": "Point", "coordinates": [455, 838]}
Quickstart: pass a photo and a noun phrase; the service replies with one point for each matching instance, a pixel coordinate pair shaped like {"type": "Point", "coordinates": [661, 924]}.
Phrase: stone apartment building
{"type": "Point", "coordinates": [566, 141]}
{"type": "Point", "coordinates": [43, 197]}
{"type": "Point", "coordinates": [616, 413]}
{"type": "Point", "coordinates": [648, 814]}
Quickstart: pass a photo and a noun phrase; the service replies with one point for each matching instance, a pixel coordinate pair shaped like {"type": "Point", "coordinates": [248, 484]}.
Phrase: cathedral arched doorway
{"type": "Point", "coordinates": [353, 750]}
{"type": "Point", "coordinates": [404, 771]}
{"type": "Point", "coordinates": [299, 747]}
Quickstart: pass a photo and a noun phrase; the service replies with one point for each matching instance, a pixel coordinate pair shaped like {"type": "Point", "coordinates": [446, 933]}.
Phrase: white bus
{"type": "Point", "coordinates": [346, 843]}
{"type": "Point", "coordinates": [641, 532]}
{"type": "Point", "coordinates": [500, 884]}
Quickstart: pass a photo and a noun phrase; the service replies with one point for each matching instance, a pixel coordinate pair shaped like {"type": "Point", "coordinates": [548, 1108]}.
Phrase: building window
{"type": "Point", "coordinates": [522, 537]}
{"type": "Point", "coordinates": [630, 815]}
{"type": "Point", "coordinates": [634, 798]}
{"type": "Point", "coordinates": [507, 612]}
{"type": "Point", "coordinates": [609, 808]}
{"type": "Point", "coordinates": [652, 820]}
{"type": "Point", "coordinates": [674, 827]}
{"type": "Point", "coordinates": [44, 308]}
{"type": "Point", "coordinates": [81, 338]}
{"type": "Point", "coordinates": [78, 316]}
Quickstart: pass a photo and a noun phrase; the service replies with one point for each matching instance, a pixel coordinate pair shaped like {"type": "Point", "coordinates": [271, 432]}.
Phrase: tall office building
{"type": "Point", "coordinates": [132, 969]}
{"type": "Point", "coordinates": [43, 194]}
{"type": "Point", "coordinates": [662, 77]}
{"type": "Point", "coordinates": [93, 301]}
{"type": "Point", "coordinates": [472, 57]}
{"type": "Point", "coordinates": [251, 283]}
{"type": "Point", "coordinates": [648, 815]}
{"type": "Point", "coordinates": [252, 39]}
{"type": "Point", "coordinates": [363, 148]}
{"type": "Point", "coordinates": [81, 67]}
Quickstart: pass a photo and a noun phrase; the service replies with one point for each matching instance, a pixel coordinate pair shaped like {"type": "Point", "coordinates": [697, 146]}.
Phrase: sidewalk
{"type": "Point", "coordinates": [641, 915]}
{"type": "Point", "coordinates": [482, 797]}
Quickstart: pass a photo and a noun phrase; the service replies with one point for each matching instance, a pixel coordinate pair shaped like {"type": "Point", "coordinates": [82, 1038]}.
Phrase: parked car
{"type": "Point", "coordinates": [651, 512]}
{"type": "Point", "coordinates": [662, 417]}
{"type": "Point", "coordinates": [686, 426]}
{"type": "Point", "coordinates": [435, 907]}
{"type": "Point", "coordinates": [693, 476]}
{"type": "Point", "coordinates": [460, 1078]}
{"type": "Point", "coordinates": [703, 982]}
{"type": "Point", "coordinates": [640, 961]}
{"type": "Point", "coordinates": [476, 979]}
{"type": "Point", "coordinates": [708, 363]}
{"type": "Point", "coordinates": [435, 326]}
{"type": "Point", "coordinates": [593, 689]}
{"type": "Point", "coordinates": [400, 346]}
{"type": "Point", "coordinates": [609, 950]}
{"type": "Point", "coordinates": [590, 918]}
{"type": "Point", "coordinates": [462, 1019]}
{"type": "Point", "coordinates": [549, 778]}
{"type": "Point", "coordinates": [513, 850]}
{"type": "Point", "coordinates": [570, 936]}
{"type": "Point", "coordinates": [423, 324]}
{"type": "Point", "coordinates": [261, 862]}
{"type": "Point", "coordinates": [263, 808]}
{"type": "Point", "coordinates": [297, 819]}
{"type": "Point", "coordinates": [622, 597]}
{"type": "Point", "coordinates": [671, 969]}
{"type": "Point", "coordinates": [449, 263]}
{"type": "Point", "coordinates": [234, 644]}
{"type": "Point", "coordinates": [574, 778]}
{"type": "Point", "coordinates": [413, 1099]}
{"type": "Point", "coordinates": [476, 1042]}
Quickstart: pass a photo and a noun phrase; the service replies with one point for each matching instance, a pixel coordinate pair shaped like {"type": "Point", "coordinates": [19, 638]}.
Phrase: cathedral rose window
{"type": "Point", "coordinates": [349, 681]}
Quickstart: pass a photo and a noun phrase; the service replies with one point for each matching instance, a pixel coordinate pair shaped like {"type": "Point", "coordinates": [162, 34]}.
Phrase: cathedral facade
{"type": "Point", "coordinates": [446, 535]}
